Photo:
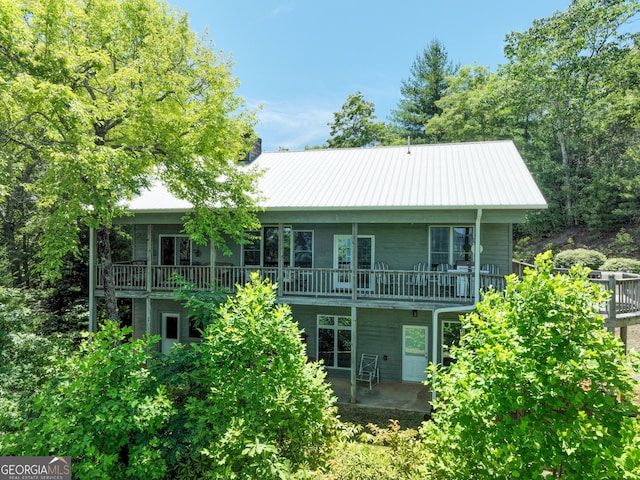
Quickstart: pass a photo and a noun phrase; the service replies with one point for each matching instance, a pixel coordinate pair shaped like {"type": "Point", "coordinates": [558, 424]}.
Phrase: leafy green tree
{"type": "Point", "coordinates": [101, 407]}
{"type": "Point", "coordinates": [610, 200]}
{"type": "Point", "coordinates": [17, 209]}
{"type": "Point", "coordinates": [472, 108]}
{"type": "Point", "coordinates": [560, 72]}
{"type": "Point", "coordinates": [109, 95]}
{"type": "Point", "coordinates": [355, 124]}
{"type": "Point", "coordinates": [249, 404]}
{"type": "Point", "coordinates": [26, 356]}
{"type": "Point", "coordinates": [539, 387]}
{"type": "Point", "coordinates": [422, 90]}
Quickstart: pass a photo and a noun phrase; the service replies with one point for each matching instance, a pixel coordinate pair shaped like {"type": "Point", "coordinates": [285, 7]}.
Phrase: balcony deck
{"type": "Point", "coordinates": [454, 287]}
{"type": "Point", "coordinates": [391, 288]}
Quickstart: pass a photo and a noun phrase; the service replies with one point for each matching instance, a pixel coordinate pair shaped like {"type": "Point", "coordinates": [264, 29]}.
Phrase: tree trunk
{"type": "Point", "coordinates": [104, 257]}
{"type": "Point", "coordinates": [566, 165]}
{"type": "Point", "coordinates": [8, 218]}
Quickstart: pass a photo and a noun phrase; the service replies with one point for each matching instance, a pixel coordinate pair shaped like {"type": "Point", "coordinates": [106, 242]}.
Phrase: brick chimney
{"type": "Point", "coordinates": [254, 153]}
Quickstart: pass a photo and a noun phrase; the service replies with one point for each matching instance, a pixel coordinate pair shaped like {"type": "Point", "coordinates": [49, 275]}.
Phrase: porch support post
{"type": "Point", "coordinates": [611, 321]}
{"type": "Point", "coordinates": [92, 280]}
{"type": "Point", "coordinates": [147, 314]}
{"type": "Point", "coordinates": [147, 310]}
{"type": "Point", "coordinates": [149, 257]}
{"type": "Point", "coordinates": [354, 352]}
{"type": "Point", "coordinates": [212, 264]}
{"type": "Point", "coordinates": [476, 258]}
{"type": "Point", "coordinates": [280, 275]}
{"type": "Point", "coordinates": [354, 310]}
{"type": "Point", "coordinates": [354, 261]}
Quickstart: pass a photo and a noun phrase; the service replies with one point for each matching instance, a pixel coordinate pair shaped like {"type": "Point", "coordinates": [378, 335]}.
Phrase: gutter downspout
{"type": "Point", "coordinates": [461, 308]}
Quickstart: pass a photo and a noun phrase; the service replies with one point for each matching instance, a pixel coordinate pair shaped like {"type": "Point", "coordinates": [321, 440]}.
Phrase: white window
{"type": "Point", "coordinates": [251, 251]}
{"type": "Point", "coordinates": [334, 340]}
{"type": "Point", "coordinates": [263, 251]}
{"type": "Point", "coordinates": [450, 244]}
{"type": "Point", "coordinates": [175, 250]}
{"type": "Point", "coordinates": [270, 241]}
{"type": "Point", "coordinates": [302, 248]}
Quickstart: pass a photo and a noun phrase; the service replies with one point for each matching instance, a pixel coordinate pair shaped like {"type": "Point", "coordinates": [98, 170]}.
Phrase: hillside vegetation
{"type": "Point", "coordinates": [622, 243]}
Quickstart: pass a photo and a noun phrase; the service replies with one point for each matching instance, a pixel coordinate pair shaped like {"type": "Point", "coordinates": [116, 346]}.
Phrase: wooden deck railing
{"type": "Point", "coordinates": [453, 287]}
{"type": "Point", "coordinates": [456, 287]}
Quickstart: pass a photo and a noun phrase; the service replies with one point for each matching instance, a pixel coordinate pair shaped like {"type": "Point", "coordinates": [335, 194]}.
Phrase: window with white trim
{"type": "Point", "coordinates": [450, 244]}
{"type": "Point", "coordinates": [251, 250]}
{"type": "Point", "coordinates": [263, 251]}
{"type": "Point", "coordinates": [334, 340]}
{"type": "Point", "coordinates": [175, 250]}
{"type": "Point", "coordinates": [302, 248]}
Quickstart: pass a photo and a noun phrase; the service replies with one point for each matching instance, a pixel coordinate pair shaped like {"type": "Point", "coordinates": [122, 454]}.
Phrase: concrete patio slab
{"type": "Point", "coordinates": [403, 396]}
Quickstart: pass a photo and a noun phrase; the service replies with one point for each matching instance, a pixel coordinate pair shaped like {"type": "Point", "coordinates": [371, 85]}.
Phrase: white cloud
{"type": "Point", "coordinates": [293, 125]}
{"type": "Point", "coordinates": [283, 8]}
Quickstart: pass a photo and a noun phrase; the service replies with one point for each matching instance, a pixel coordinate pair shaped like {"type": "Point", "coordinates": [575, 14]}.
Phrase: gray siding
{"type": "Point", "coordinates": [401, 246]}
{"type": "Point", "coordinates": [139, 320]}
{"type": "Point", "coordinates": [496, 241]}
{"type": "Point", "coordinates": [379, 332]}
{"type": "Point", "coordinates": [139, 242]}
{"type": "Point", "coordinates": [158, 307]}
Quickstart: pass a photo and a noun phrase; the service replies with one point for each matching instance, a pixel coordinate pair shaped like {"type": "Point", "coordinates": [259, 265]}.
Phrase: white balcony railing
{"type": "Point", "coordinates": [385, 285]}
{"type": "Point", "coordinates": [309, 282]}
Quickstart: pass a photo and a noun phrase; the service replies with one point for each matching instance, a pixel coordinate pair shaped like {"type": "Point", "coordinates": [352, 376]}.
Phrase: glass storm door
{"type": "Point", "coordinates": [414, 353]}
{"type": "Point", "coordinates": [342, 260]}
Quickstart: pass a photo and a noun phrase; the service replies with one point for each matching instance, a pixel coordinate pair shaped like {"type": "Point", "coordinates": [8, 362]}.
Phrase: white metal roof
{"type": "Point", "coordinates": [462, 175]}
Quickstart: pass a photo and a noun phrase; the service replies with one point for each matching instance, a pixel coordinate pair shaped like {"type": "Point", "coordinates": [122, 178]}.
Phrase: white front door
{"type": "Point", "coordinates": [414, 353]}
{"type": "Point", "coordinates": [170, 330]}
{"type": "Point", "coordinates": [342, 260]}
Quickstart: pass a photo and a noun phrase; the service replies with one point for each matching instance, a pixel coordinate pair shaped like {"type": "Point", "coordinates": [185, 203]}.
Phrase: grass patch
{"type": "Point", "coordinates": [359, 415]}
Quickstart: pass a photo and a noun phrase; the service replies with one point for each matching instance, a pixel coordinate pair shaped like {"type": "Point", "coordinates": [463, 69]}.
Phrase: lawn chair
{"type": "Point", "coordinates": [445, 281]}
{"type": "Point", "coordinates": [382, 276]}
{"type": "Point", "coordinates": [368, 371]}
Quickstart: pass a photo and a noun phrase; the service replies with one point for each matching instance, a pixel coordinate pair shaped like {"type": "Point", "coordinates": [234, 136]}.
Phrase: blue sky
{"type": "Point", "coordinates": [300, 59]}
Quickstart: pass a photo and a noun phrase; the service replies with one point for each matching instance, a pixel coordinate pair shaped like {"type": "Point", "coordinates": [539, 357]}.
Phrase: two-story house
{"type": "Point", "coordinates": [377, 250]}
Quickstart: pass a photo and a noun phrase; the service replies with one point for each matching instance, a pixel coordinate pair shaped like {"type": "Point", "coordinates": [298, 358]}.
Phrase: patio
{"type": "Point", "coordinates": [402, 396]}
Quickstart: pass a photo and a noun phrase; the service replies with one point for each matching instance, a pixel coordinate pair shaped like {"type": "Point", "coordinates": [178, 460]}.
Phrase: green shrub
{"type": "Point", "coordinates": [26, 357]}
{"type": "Point", "coordinates": [539, 387]}
{"type": "Point", "coordinates": [623, 244]}
{"type": "Point", "coordinates": [589, 258]}
{"type": "Point", "coordinates": [378, 453]}
{"type": "Point", "coordinates": [249, 405]}
{"type": "Point", "coordinates": [102, 408]}
{"type": "Point", "coordinates": [616, 264]}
